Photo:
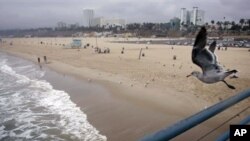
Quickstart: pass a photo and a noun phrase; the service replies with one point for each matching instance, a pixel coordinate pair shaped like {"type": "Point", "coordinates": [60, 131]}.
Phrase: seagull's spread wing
{"type": "Point", "coordinates": [212, 46]}
{"type": "Point", "coordinates": [201, 56]}
{"type": "Point", "coordinates": [201, 39]}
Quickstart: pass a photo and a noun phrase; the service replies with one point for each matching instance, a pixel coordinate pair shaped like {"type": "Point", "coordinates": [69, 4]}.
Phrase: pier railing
{"type": "Point", "coordinates": [188, 123]}
{"type": "Point", "coordinates": [225, 135]}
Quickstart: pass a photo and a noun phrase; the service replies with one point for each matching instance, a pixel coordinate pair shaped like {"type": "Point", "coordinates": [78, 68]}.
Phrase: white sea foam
{"type": "Point", "coordinates": [32, 110]}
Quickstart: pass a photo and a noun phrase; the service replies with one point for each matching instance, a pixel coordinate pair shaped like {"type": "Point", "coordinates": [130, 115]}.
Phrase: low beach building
{"type": "Point", "coordinates": [106, 23]}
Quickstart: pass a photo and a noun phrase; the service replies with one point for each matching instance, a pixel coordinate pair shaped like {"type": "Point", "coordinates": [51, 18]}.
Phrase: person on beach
{"type": "Point", "coordinates": [45, 59]}
{"type": "Point", "coordinates": [38, 60]}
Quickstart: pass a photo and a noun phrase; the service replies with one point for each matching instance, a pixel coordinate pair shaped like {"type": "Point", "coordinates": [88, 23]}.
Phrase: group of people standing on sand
{"type": "Point", "coordinates": [99, 50]}
{"type": "Point", "coordinates": [39, 60]}
{"type": "Point", "coordinates": [44, 58]}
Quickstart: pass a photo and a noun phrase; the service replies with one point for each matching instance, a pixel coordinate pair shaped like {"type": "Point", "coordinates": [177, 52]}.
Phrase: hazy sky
{"type": "Point", "coordinates": [41, 13]}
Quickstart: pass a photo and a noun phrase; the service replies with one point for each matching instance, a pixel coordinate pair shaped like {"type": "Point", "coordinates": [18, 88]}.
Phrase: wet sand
{"type": "Point", "coordinates": [117, 116]}
{"type": "Point", "coordinates": [124, 109]}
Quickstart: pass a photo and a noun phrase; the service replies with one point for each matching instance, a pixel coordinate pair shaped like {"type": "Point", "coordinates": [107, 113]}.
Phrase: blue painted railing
{"type": "Point", "coordinates": [225, 136]}
{"type": "Point", "coordinates": [190, 122]}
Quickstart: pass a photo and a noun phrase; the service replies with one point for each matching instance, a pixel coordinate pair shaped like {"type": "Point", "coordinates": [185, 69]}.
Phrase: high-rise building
{"type": "Point", "coordinates": [195, 16]}
{"type": "Point", "coordinates": [200, 17]}
{"type": "Point", "coordinates": [184, 16]}
{"type": "Point", "coordinates": [88, 16]}
{"type": "Point", "coordinates": [104, 22]}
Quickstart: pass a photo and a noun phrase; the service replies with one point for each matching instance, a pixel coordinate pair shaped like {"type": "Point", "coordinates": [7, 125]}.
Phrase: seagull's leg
{"type": "Point", "coordinates": [229, 86]}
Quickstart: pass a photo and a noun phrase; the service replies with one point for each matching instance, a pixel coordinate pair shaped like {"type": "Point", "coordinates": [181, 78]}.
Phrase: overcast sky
{"type": "Point", "coordinates": [42, 13]}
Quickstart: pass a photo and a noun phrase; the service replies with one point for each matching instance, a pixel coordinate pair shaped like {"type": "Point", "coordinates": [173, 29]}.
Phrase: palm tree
{"type": "Point", "coordinates": [218, 24]}
{"type": "Point", "coordinates": [225, 24]}
{"type": "Point", "coordinates": [242, 21]}
{"type": "Point", "coordinates": [182, 25]}
{"type": "Point", "coordinates": [212, 22]}
{"type": "Point", "coordinates": [206, 23]}
{"type": "Point", "coordinates": [233, 23]}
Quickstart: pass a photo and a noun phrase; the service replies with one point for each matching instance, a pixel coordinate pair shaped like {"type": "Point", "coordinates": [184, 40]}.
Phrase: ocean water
{"type": "Point", "coordinates": [31, 109]}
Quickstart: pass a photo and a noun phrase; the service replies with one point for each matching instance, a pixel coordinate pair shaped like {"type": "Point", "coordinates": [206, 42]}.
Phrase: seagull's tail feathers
{"type": "Point", "coordinates": [231, 72]}
{"type": "Point", "coordinates": [226, 74]}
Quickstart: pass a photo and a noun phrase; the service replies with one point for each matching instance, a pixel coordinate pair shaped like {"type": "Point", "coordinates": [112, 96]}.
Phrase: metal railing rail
{"type": "Point", "coordinates": [188, 123]}
{"type": "Point", "coordinates": [223, 123]}
{"type": "Point", "coordinates": [225, 136]}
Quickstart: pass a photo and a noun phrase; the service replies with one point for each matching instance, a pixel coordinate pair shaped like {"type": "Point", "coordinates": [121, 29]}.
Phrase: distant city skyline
{"type": "Point", "coordinates": [90, 20]}
{"type": "Point", "coordinates": [195, 16]}
{"type": "Point", "coordinates": [46, 13]}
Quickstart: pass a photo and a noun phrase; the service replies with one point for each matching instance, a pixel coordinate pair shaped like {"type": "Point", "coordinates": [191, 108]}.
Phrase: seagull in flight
{"type": "Point", "coordinates": [205, 58]}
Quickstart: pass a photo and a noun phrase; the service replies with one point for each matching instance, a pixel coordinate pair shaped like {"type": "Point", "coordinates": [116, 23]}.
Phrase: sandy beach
{"type": "Point", "coordinates": [138, 97]}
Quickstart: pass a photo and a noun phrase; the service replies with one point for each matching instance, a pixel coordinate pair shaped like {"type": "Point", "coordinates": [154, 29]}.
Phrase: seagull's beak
{"type": "Point", "coordinates": [189, 75]}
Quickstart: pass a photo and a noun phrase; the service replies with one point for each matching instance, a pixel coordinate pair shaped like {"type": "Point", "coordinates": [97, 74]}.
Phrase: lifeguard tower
{"type": "Point", "coordinates": [76, 43]}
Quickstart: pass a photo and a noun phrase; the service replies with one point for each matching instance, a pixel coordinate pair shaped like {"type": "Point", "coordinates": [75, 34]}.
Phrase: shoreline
{"type": "Point", "coordinates": [143, 110]}
{"type": "Point", "coordinates": [154, 103]}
